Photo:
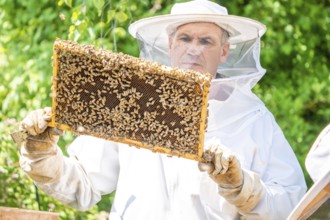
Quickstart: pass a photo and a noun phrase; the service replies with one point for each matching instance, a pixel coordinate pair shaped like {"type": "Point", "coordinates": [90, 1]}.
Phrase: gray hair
{"type": "Point", "coordinates": [225, 36]}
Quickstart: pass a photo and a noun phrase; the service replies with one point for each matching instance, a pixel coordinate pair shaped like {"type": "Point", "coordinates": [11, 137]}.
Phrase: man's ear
{"type": "Point", "coordinates": [224, 53]}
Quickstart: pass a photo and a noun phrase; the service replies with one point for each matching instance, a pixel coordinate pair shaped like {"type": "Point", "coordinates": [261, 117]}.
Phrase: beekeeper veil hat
{"type": "Point", "coordinates": [242, 65]}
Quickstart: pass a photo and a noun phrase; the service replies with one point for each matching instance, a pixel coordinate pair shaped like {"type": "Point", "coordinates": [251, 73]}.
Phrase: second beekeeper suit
{"type": "Point", "coordinates": [315, 203]}
{"type": "Point", "coordinates": [152, 186]}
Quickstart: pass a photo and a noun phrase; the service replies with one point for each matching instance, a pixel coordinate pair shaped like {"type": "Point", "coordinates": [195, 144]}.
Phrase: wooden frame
{"type": "Point", "coordinates": [9, 213]}
{"type": "Point", "coordinates": [168, 93]}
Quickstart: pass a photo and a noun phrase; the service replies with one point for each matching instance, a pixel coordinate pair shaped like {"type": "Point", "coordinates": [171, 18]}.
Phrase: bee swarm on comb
{"type": "Point", "coordinates": [129, 100]}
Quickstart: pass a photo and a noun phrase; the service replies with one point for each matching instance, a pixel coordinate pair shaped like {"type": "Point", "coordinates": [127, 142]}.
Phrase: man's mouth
{"type": "Point", "coordinates": [190, 65]}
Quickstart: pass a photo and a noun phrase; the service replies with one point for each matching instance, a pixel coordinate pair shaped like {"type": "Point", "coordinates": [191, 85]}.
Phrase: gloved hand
{"type": "Point", "coordinates": [40, 157]}
{"type": "Point", "coordinates": [223, 167]}
{"type": "Point", "coordinates": [40, 139]}
{"type": "Point", "coordinates": [239, 187]}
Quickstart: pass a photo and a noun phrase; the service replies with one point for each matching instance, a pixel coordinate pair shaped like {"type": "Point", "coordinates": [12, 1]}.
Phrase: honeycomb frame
{"type": "Point", "coordinates": [130, 100]}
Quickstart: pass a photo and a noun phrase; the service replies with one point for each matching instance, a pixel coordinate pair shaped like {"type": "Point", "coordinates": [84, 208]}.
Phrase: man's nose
{"type": "Point", "coordinates": [194, 49]}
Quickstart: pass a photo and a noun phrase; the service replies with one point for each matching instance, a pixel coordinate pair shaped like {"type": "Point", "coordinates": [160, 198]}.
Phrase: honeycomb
{"type": "Point", "coordinates": [130, 100]}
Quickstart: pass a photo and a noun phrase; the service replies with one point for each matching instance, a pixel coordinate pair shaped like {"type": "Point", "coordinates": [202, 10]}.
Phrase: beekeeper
{"type": "Point", "coordinates": [254, 172]}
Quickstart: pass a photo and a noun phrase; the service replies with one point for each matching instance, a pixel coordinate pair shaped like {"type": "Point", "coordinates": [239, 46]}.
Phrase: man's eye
{"type": "Point", "coordinates": [205, 42]}
{"type": "Point", "coordinates": [185, 39]}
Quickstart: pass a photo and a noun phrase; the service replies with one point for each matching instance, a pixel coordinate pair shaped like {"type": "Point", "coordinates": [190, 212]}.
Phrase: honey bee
{"type": "Point", "coordinates": [131, 100]}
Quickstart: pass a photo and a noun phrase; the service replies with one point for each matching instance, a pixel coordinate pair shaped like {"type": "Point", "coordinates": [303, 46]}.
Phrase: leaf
{"type": "Point", "coordinates": [75, 15]}
{"type": "Point", "coordinates": [110, 15]}
{"type": "Point", "coordinates": [119, 32]}
{"type": "Point", "coordinates": [121, 17]}
{"type": "Point", "coordinates": [68, 3]}
{"type": "Point", "coordinates": [99, 5]}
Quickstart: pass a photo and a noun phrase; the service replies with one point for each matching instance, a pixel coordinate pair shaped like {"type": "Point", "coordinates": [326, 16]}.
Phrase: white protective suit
{"type": "Point", "coordinates": [154, 186]}
{"type": "Point", "coordinates": [151, 186]}
{"type": "Point", "coordinates": [318, 156]}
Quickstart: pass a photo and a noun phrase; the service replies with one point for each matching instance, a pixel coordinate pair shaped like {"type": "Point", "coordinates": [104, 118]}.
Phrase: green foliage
{"type": "Point", "coordinates": [295, 52]}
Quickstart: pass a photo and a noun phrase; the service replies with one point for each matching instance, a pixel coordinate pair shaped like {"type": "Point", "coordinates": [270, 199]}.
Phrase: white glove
{"type": "Point", "coordinates": [223, 167]}
{"type": "Point", "coordinates": [40, 157]}
{"type": "Point", "coordinates": [239, 187]}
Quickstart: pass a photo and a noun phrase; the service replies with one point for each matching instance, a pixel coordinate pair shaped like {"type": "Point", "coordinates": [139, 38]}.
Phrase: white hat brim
{"type": "Point", "coordinates": [240, 28]}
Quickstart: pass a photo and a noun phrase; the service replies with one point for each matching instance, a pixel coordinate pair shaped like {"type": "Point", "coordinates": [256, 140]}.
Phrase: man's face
{"type": "Point", "coordinates": [198, 46]}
